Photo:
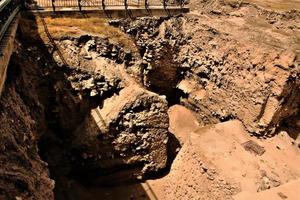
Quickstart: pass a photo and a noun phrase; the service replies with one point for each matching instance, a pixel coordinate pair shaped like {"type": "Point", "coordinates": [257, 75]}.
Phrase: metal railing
{"type": "Point", "coordinates": [104, 4]}
{"type": "Point", "coordinates": [8, 11]}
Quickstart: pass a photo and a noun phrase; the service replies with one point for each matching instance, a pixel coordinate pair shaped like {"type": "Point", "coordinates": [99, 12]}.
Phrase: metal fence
{"type": "Point", "coordinates": [8, 10]}
{"type": "Point", "coordinates": [103, 4]}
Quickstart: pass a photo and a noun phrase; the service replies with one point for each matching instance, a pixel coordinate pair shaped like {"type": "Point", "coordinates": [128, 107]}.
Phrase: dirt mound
{"type": "Point", "coordinates": [222, 165]}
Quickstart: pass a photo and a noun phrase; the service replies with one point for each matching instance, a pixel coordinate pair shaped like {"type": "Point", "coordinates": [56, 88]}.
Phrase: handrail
{"type": "Point", "coordinates": [8, 22]}
{"type": "Point", "coordinates": [105, 4]}
{"type": "Point", "coordinates": [8, 11]}
{"type": "Point", "coordinates": [3, 4]}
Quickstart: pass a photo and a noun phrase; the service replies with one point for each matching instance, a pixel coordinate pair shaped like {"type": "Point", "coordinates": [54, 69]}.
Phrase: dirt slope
{"type": "Point", "coordinates": [23, 175]}
{"type": "Point", "coordinates": [222, 160]}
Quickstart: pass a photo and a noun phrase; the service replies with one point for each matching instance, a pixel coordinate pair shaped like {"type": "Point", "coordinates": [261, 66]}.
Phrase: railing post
{"type": "Point", "coordinates": [126, 7]}
{"type": "Point", "coordinates": [146, 5]}
{"type": "Point", "coordinates": [165, 4]}
{"type": "Point", "coordinates": [53, 5]}
{"type": "Point", "coordinates": [103, 4]}
{"type": "Point", "coordinates": [79, 5]}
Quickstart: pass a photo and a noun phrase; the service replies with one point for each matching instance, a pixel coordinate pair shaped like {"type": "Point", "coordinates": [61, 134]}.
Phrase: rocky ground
{"type": "Point", "coordinates": [113, 103]}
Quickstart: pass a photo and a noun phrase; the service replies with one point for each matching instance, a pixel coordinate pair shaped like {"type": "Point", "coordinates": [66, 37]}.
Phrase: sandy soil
{"type": "Point", "coordinates": [182, 122]}
{"type": "Point", "coordinates": [215, 164]}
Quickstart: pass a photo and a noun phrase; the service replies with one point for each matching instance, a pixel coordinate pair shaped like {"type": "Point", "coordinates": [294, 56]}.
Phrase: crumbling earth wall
{"type": "Point", "coordinates": [23, 175]}
{"type": "Point", "coordinates": [225, 73]}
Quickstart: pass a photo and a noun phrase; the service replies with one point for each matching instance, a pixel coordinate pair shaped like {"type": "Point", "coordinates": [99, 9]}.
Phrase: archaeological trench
{"type": "Point", "coordinates": [201, 105]}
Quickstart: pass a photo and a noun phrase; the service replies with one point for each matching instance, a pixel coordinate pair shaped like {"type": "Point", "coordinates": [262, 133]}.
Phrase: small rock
{"type": "Point", "coordinates": [165, 141]}
{"type": "Point", "coordinates": [88, 57]}
{"type": "Point", "coordinates": [253, 147]}
{"type": "Point", "coordinates": [93, 93]}
{"type": "Point", "coordinates": [217, 12]}
{"type": "Point", "coordinates": [281, 195]}
{"type": "Point", "coordinates": [149, 56]}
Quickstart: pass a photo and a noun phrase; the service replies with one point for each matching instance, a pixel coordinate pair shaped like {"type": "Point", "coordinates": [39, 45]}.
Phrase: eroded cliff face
{"type": "Point", "coordinates": [226, 71]}
{"type": "Point", "coordinates": [23, 174]}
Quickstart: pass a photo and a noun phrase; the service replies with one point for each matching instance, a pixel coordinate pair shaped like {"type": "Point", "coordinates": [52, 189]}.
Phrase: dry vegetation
{"type": "Point", "coordinates": [58, 27]}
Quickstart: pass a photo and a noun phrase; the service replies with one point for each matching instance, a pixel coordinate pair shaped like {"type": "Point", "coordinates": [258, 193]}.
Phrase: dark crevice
{"type": "Point", "coordinates": [164, 77]}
